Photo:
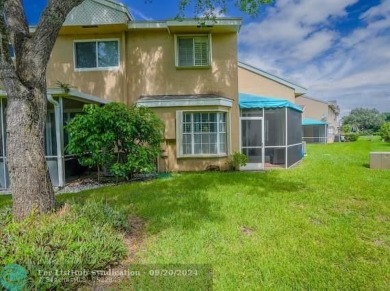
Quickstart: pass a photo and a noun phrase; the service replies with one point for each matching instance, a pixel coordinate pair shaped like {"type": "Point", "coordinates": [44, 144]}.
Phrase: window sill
{"type": "Point", "coordinates": [96, 69]}
{"type": "Point", "coordinates": [193, 68]}
{"type": "Point", "coordinates": [202, 156]}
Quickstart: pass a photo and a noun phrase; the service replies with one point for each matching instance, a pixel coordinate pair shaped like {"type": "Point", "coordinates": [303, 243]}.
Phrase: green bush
{"type": "Point", "coordinates": [125, 140]}
{"type": "Point", "coordinates": [82, 238]}
{"type": "Point", "coordinates": [237, 160]}
{"type": "Point", "coordinates": [385, 131]}
{"type": "Point", "coordinates": [351, 136]}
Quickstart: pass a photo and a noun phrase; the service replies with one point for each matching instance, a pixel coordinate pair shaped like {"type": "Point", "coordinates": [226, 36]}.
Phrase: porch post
{"type": "Point", "coordinates": [286, 143]}
{"type": "Point", "coordinates": [58, 114]}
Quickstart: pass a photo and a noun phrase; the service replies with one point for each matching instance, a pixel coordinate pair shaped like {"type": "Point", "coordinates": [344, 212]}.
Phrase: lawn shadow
{"type": "Point", "coordinates": [5, 200]}
{"type": "Point", "coordinates": [183, 201]}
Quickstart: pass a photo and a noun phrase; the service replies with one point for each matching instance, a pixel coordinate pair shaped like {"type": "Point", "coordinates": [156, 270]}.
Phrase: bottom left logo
{"type": "Point", "coordinates": [13, 277]}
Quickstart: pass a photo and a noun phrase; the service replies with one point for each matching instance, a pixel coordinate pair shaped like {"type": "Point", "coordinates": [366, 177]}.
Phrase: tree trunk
{"type": "Point", "coordinates": [30, 182]}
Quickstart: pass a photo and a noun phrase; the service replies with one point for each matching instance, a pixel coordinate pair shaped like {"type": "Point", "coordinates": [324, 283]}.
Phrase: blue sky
{"type": "Point", "coordinates": [338, 49]}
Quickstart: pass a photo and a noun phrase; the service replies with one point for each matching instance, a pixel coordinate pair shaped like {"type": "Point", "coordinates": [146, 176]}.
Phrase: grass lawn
{"type": "Point", "coordinates": [322, 225]}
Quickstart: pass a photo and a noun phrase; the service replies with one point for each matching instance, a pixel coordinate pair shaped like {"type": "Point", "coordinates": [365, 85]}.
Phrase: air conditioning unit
{"type": "Point", "coordinates": [380, 160]}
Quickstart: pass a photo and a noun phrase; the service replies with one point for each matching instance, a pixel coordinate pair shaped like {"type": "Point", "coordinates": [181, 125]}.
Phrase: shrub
{"type": "Point", "coordinates": [125, 140]}
{"type": "Point", "coordinates": [351, 136]}
{"type": "Point", "coordinates": [237, 160]}
{"type": "Point", "coordinates": [82, 238]}
{"type": "Point", "coordinates": [385, 131]}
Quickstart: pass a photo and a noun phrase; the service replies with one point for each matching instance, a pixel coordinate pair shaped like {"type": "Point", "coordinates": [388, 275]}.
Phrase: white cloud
{"type": "Point", "coordinates": [139, 15]}
{"type": "Point", "coordinates": [299, 39]}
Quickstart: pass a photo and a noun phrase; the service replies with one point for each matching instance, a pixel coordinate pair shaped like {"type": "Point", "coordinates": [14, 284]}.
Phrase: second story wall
{"type": "Point", "coordinates": [313, 108]}
{"type": "Point", "coordinates": [252, 83]}
{"type": "Point", "coordinates": [152, 69]}
{"type": "Point", "coordinates": [146, 66]}
{"type": "Point", "coordinates": [107, 83]}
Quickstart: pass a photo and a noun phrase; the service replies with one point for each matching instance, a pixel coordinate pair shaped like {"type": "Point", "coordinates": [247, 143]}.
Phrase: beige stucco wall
{"type": "Point", "coordinates": [147, 67]}
{"type": "Point", "coordinates": [252, 83]}
{"type": "Point", "coordinates": [107, 84]}
{"type": "Point", "coordinates": [170, 161]}
{"type": "Point", "coordinates": [313, 108]}
{"type": "Point", "coordinates": [152, 70]}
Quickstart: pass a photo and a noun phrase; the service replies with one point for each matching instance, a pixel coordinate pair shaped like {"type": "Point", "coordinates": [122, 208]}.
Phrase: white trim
{"type": "Point", "coordinates": [219, 101]}
{"type": "Point", "coordinates": [253, 166]}
{"type": "Point", "coordinates": [286, 134]}
{"type": "Point", "coordinates": [147, 25]}
{"type": "Point", "coordinates": [297, 88]}
{"type": "Point", "coordinates": [314, 99]}
{"type": "Point", "coordinates": [219, 22]}
{"type": "Point", "coordinates": [206, 23]}
{"type": "Point", "coordinates": [97, 68]}
{"type": "Point", "coordinates": [179, 134]}
{"type": "Point", "coordinates": [72, 94]}
{"type": "Point", "coordinates": [293, 145]}
{"type": "Point", "coordinates": [80, 96]}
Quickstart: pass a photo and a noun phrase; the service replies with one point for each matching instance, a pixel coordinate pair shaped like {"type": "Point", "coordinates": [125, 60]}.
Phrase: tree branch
{"type": "Point", "coordinates": [16, 21]}
{"type": "Point", "coordinates": [8, 74]}
{"type": "Point", "coordinates": [48, 28]}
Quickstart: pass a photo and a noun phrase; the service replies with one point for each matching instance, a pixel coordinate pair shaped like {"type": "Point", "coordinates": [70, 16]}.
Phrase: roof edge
{"type": "Point", "coordinates": [315, 99]}
{"type": "Point", "coordinates": [160, 24]}
{"type": "Point", "coordinates": [298, 88]}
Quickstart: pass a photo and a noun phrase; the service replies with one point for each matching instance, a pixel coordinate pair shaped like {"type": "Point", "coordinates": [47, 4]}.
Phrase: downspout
{"type": "Point", "coordinates": [3, 144]}
{"type": "Point", "coordinates": [59, 138]}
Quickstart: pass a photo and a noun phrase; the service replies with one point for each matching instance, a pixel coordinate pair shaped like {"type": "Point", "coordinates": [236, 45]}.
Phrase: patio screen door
{"type": "Point", "coordinates": [252, 141]}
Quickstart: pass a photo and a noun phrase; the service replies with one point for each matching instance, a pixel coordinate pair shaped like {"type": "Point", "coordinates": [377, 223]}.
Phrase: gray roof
{"type": "Point", "coordinates": [98, 12]}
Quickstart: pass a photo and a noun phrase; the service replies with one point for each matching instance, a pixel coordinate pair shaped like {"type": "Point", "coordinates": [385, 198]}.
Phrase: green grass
{"type": "Point", "coordinates": [322, 225]}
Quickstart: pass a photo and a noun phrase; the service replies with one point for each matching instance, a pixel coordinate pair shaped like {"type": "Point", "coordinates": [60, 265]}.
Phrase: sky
{"type": "Point", "coordinates": [337, 49]}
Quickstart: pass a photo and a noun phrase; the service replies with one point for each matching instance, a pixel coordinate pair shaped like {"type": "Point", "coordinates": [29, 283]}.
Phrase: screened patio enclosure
{"type": "Point", "coordinates": [271, 132]}
{"type": "Point", "coordinates": [61, 108]}
{"type": "Point", "coordinates": [314, 131]}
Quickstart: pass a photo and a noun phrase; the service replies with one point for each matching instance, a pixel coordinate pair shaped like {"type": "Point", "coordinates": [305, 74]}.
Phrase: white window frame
{"type": "Point", "coordinates": [176, 38]}
{"type": "Point", "coordinates": [179, 134]}
{"type": "Point", "coordinates": [96, 68]}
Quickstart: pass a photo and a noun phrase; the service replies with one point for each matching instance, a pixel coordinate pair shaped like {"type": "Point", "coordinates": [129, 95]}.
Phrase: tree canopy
{"type": "Point", "coordinates": [364, 120]}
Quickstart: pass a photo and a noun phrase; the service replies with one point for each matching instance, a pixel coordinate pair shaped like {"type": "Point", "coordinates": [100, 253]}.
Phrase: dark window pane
{"type": "Point", "coordinates": [85, 54]}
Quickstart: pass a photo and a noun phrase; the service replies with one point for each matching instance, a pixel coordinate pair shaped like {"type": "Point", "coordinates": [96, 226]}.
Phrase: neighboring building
{"type": "Point", "coordinates": [186, 71]}
{"type": "Point", "coordinates": [319, 119]}
{"type": "Point", "coordinates": [268, 102]}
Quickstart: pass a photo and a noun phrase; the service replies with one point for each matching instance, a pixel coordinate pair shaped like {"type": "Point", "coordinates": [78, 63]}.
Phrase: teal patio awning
{"type": "Point", "coordinates": [249, 101]}
{"type": "Point", "coordinates": [311, 121]}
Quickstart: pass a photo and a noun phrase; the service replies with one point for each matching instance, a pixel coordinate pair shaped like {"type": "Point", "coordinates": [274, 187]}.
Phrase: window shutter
{"type": "Point", "coordinates": [201, 48]}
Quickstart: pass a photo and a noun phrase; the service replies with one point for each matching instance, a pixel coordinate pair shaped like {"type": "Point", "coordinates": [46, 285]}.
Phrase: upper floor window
{"type": "Point", "coordinates": [100, 54]}
{"type": "Point", "coordinates": [193, 51]}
